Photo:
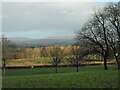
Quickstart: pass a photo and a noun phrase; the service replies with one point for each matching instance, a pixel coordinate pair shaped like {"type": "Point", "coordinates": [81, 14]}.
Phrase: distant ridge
{"type": "Point", "coordinates": [24, 42]}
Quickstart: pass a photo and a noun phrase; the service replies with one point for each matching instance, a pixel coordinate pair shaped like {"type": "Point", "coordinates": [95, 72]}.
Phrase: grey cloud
{"type": "Point", "coordinates": [45, 17]}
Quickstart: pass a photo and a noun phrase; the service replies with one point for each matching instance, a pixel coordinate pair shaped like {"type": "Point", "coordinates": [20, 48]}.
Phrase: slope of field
{"type": "Point", "coordinates": [46, 61]}
{"type": "Point", "coordinates": [87, 77]}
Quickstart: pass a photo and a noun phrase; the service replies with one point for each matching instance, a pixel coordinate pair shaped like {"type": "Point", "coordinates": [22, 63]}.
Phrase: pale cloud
{"type": "Point", "coordinates": [67, 13]}
{"type": "Point", "coordinates": [71, 14]}
{"type": "Point", "coordinates": [27, 13]}
{"type": "Point", "coordinates": [59, 0]}
{"type": "Point", "coordinates": [45, 18]}
{"type": "Point", "coordinates": [63, 12]}
{"type": "Point", "coordinates": [0, 19]}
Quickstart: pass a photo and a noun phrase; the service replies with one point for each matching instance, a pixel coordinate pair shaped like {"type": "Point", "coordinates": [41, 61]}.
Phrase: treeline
{"type": "Point", "coordinates": [14, 53]}
{"type": "Point", "coordinates": [45, 51]}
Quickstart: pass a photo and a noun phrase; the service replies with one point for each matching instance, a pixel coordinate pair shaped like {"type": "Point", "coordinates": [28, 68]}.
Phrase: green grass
{"type": "Point", "coordinates": [40, 60]}
{"type": "Point", "coordinates": [87, 77]}
{"type": "Point", "coordinates": [38, 71]}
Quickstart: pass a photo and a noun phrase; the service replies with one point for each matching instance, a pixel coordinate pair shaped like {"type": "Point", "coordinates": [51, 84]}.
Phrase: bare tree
{"type": "Point", "coordinates": [74, 58]}
{"type": "Point", "coordinates": [103, 31]}
{"type": "Point", "coordinates": [77, 53]}
{"type": "Point", "coordinates": [6, 52]}
{"type": "Point", "coordinates": [56, 56]}
{"type": "Point", "coordinates": [96, 33]}
{"type": "Point", "coordinates": [113, 17]}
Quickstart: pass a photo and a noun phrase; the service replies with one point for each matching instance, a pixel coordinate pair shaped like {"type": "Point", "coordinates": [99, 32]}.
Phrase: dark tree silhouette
{"type": "Point", "coordinates": [103, 31]}
{"type": "Point", "coordinates": [95, 31]}
{"type": "Point", "coordinates": [113, 17]}
{"type": "Point", "coordinates": [77, 53]}
{"type": "Point", "coordinates": [56, 56]}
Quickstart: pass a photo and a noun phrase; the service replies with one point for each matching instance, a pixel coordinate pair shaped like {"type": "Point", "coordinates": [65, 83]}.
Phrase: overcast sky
{"type": "Point", "coordinates": [45, 19]}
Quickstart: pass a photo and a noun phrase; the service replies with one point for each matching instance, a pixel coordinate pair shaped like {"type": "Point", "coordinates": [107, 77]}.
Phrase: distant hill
{"type": "Point", "coordinates": [23, 42]}
{"type": "Point", "coordinates": [19, 39]}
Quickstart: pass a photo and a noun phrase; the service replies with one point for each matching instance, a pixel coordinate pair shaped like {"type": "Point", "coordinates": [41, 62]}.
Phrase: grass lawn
{"type": "Point", "coordinates": [67, 77]}
{"type": "Point", "coordinates": [40, 60]}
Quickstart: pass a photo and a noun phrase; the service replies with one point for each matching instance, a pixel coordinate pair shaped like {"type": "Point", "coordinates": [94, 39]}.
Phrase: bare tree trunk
{"type": "Point", "coordinates": [3, 71]}
{"type": "Point", "coordinates": [4, 66]}
{"type": "Point", "coordinates": [118, 63]}
{"type": "Point", "coordinates": [55, 68]}
{"type": "Point", "coordinates": [105, 62]}
{"type": "Point", "coordinates": [118, 58]}
{"type": "Point", "coordinates": [77, 68]}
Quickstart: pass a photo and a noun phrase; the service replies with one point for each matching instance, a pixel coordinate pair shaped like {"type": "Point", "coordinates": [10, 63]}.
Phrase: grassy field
{"type": "Point", "coordinates": [67, 77]}
{"type": "Point", "coordinates": [29, 61]}
{"type": "Point", "coordinates": [47, 61]}
{"type": "Point", "coordinates": [40, 60]}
